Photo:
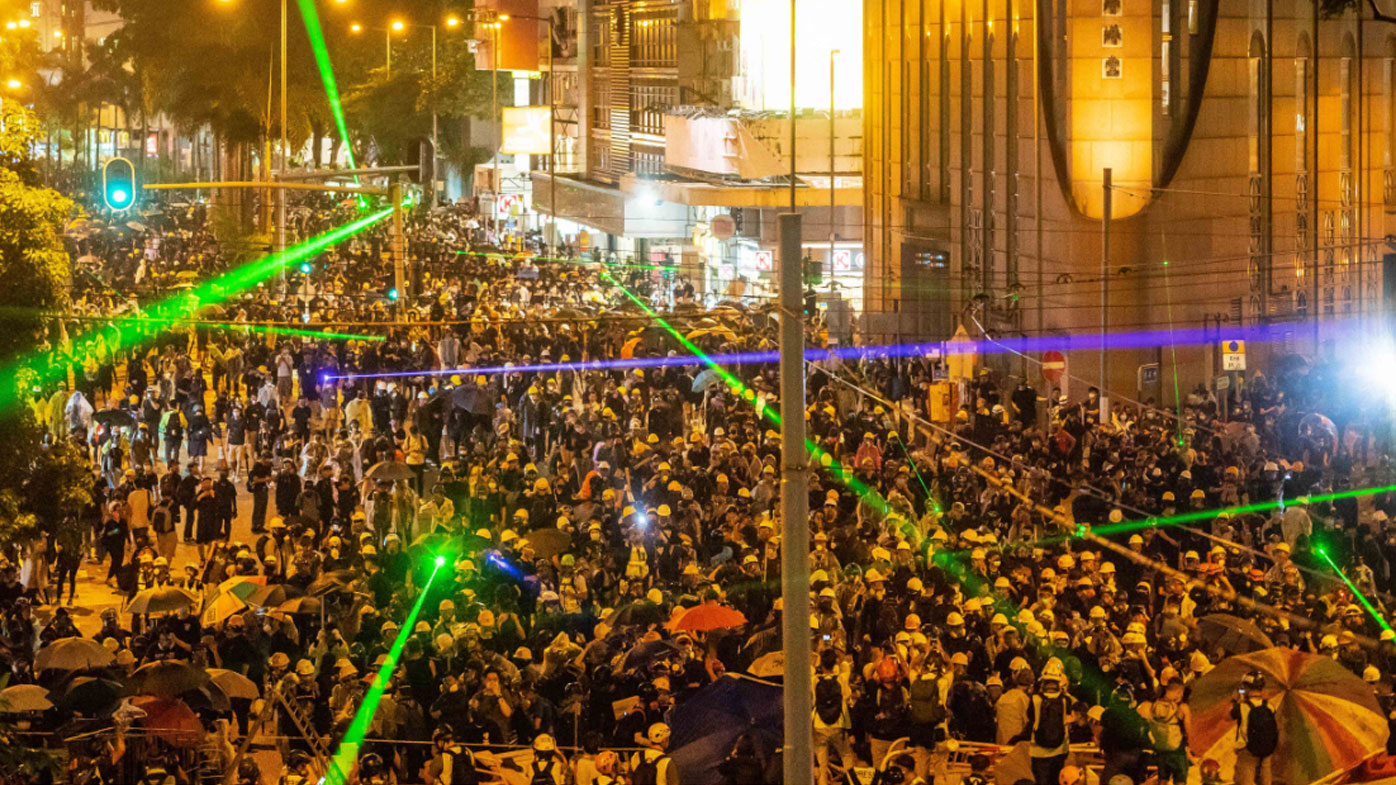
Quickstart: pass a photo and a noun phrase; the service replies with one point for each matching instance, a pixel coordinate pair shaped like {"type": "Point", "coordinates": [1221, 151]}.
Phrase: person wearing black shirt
{"type": "Point", "coordinates": [226, 497]}
{"type": "Point", "coordinates": [259, 484]}
{"type": "Point", "coordinates": [288, 489]}
{"type": "Point", "coordinates": [186, 495]}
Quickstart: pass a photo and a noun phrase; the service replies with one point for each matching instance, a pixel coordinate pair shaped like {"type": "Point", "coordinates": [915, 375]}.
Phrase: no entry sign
{"type": "Point", "coordinates": [1053, 366]}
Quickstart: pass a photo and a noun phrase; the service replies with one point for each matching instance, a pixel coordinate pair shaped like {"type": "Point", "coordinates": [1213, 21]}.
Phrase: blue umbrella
{"type": "Point", "coordinates": [706, 725]}
{"type": "Point", "coordinates": [705, 380]}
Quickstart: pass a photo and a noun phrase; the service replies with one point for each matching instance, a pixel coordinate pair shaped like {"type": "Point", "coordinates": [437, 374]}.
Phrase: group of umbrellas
{"type": "Point", "coordinates": [157, 695]}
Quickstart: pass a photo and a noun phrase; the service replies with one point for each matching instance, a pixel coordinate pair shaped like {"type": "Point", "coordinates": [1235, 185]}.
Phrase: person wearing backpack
{"type": "Point", "coordinates": [653, 766]}
{"type": "Point", "coordinates": [1170, 721]}
{"type": "Point", "coordinates": [1049, 714]}
{"type": "Point", "coordinates": [453, 764]}
{"type": "Point", "coordinates": [928, 714]}
{"type": "Point", "coordinates": [889, 709]}
{"type": "Point", "coordinates": [1257, 734]}
{"type": "Point", "coordinates": [547, 768]}
{"type": "Point", "coordinates": [832, 696]}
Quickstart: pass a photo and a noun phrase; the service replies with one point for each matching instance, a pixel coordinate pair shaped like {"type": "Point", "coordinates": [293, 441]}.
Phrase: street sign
{"type": "Point", "coordinates": [1148, 374]}
{"type": "Point", "coordinates": [1053, 366]}
{"type": "Point", "coordinates": [765, 261]}
{"type": "Point", "coordinates": [1233, 355]}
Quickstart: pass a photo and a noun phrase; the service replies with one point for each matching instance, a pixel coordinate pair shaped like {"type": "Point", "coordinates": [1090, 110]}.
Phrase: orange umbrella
{"type": "Point", "coordinates": [170, 719]}
{"type": "Point", "coordinates": [710, 616]}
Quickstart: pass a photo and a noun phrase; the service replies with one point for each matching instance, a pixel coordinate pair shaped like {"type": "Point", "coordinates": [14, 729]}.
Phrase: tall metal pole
{"type": "Point", "coordinates": [396, 245]}
{"type": "Point", "coordinates": [552, 144]}
{"type": "Point", "coordinates": [1037, 160]}
{"type": "Point", "coordinates": [797, 757]}
{"type": "Point", "coordinates": [792, 109]}
{"type": "Point", "coordinates": [498, 126]}
{"type": "Point", "coordinates": [832, 54]}
{"type": "Point", "coordinates": [388, 48]}
{"type": "Point", "coordinates": [431, 187]}
{"type": "Point", "coordinates": [285, 148]}
{"type": "Point", "coordinates": [1105, 296]}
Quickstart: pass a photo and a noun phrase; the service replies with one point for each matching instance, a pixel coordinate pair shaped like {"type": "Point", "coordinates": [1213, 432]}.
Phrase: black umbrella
{"type": "Point", "coordinates": [91, 696]}
{"type": "Point", "coordinates": [647, 652]}
{"type": "Point", "coordinates": [335, 580]}
{"type": "Point", "coordinates": [166, 679]}
{"type": "Point", "coordinates": [115, 418]}
{"type": "Point", "coordinates": [636, 613]}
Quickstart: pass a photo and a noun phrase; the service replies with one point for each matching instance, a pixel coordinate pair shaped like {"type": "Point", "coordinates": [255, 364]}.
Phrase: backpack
{"type": "Point", "coordinates": [891, 713]}
{"type": "Point", "coordinates": [542, 775]}
{"type": "Point", "coordinates": [926, 706]}
{"type": "Point", "coordinates": [1165, 730]}
{"type": "Point", "coordinates": [1049, 721]}
{"type": "Point", "coordinates": [1262, 733]}
{"type": "Point", "coordinates": [828, 700]}
{"type": "Point", "coordinates": [647, 773]}
{"type": "Point", "coordinates": [463, 767]}
{"type": "Point", "coordinates": [161, 520]}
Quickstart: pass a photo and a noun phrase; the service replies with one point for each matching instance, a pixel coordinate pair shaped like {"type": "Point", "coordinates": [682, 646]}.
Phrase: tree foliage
{"type": "Point", "coordinates": [1332, 8]}
{"type": "Point", "coordinates": [43, 489]}
{"type": "Point", "coordinates": [216, 64]}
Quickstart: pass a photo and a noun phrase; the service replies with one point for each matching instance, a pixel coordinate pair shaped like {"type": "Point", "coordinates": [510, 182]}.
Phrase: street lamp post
{"type": "Point", "coordinates": [832, 54]}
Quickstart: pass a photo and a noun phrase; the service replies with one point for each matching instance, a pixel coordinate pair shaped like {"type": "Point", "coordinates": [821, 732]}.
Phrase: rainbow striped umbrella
{"type": "Point", "coordinates": [1328, 717]}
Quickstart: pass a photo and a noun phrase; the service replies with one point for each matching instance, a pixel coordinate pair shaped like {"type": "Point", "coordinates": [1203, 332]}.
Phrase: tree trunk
{"type": "Point", "coordinates": [334, 148]}
{"type": "Point", "coordinates": [317, 140]}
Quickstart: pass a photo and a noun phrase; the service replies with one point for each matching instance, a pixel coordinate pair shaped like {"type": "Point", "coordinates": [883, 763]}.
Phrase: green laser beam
{"type": "Point", "coordinates": [1207, 515]}
{"type": "Point", "coordinates": [1322, 553]}
{"type": "Point", "coordinates": [822, 457]}
{"type": "Point", "coordinates": [347, 754]}
{"type": "Point", "coordinates": [948, 560]}
{"type": "Point", "coordinates": [322, 61]}
{"type": "Point", "coordinates": [183, 305]}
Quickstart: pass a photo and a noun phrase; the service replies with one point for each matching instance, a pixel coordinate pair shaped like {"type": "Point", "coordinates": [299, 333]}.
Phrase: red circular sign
{"type": "Point", "coordinates": [1053, 366]}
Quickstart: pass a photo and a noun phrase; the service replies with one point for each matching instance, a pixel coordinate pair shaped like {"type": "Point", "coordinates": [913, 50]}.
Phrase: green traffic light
{"type": "Point", "coordinates": [119, 183]}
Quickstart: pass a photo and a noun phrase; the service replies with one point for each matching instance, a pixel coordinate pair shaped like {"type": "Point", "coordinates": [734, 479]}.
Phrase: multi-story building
{"type": "Point", "coordinates": [1250, 149]}
{"type": "Point", "coordinates": [675, 124]}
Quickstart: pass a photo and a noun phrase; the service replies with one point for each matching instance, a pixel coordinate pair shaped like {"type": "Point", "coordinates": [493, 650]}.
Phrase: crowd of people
{"type": "Point", "coordinates": [961, 599]}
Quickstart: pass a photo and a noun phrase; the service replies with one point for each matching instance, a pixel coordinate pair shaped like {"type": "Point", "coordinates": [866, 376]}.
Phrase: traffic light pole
{"type": "Point", "coordinates": [397, 240]}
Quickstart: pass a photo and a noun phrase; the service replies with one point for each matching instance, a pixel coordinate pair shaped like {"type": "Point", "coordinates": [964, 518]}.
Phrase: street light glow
{"type": "Point", "coordinates": [356, 28]}
{"type": "Point", "coordinates": [10, 25]}
{"type": "Point", "coordinates": [398, 26]}
{"type": "Point", "coordinates": [57, 33]}
{"type": "Point", "coordinates": [452, 21]}
{"type": "Point", "coordinates": [14, 84]}
{"type": "Point", "coordinates": [24, 24]}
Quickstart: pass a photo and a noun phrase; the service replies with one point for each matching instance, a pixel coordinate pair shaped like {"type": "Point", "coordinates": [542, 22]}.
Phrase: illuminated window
{"type": "Point", "coordinates": [1389, 91]}
{"type": "Point", "coordinates": [36, 9]}
{"type": "Point", "coordinates": [1301, 109]}
{"type": "Point", "coordinates": [1256, 80]}
{"type": "Point", "coordinates": [1166, 58]}
{"type": "Point", "coordinates": [1345, 106]}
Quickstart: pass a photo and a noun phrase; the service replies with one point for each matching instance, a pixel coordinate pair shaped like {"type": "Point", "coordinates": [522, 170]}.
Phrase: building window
{"type": "Point", "coordinates": [36, 9]}
{"type": "Point", "coordinates": [1165, 86]}
{"type": "Point", "coordinates": [1345, 108]}
{"type": "Point", "coordinates": [1389, 91]}
{"type": "Point", "coordinates": [1256, 82]}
